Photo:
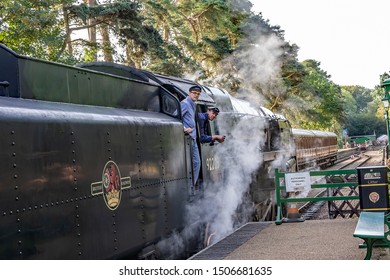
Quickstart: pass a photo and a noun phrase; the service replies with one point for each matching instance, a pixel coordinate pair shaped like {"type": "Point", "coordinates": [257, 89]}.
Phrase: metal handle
{"type": "Point", "coordinates": [5, 85]}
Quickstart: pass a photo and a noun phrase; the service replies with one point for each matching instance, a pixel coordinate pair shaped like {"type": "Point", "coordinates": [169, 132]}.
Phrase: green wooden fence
{"type": "Point", "coordinates": [338, 178]}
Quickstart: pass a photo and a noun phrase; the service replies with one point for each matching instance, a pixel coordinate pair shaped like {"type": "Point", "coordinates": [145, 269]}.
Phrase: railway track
{"type": "Point", "coordinates": [319, 210]}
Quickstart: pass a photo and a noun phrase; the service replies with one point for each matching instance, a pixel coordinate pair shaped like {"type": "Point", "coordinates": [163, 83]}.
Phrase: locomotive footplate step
{"type": "Point", "coordinates": [221, 249]}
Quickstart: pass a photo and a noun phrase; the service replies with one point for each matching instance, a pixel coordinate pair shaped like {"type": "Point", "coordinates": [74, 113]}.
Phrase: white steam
{"type": "Point", "coordinates": [262, 59]}
{"type": "Point", "coordinates": [255, 68]}
{"type": "Point", "coordinates": [239, 156]}
{"type": "Point", "coordinates": [226, 204]}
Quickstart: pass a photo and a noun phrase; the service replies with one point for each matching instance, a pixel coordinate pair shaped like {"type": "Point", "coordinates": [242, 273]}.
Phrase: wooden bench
{"type": "Point", "coordinates": [371, 228]}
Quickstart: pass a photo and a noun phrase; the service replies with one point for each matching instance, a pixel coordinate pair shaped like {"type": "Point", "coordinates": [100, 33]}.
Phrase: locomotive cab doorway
{"type": "Point", "coordinates": [209, 170]}
{"type": "Point", "coordinates": [209, 163]}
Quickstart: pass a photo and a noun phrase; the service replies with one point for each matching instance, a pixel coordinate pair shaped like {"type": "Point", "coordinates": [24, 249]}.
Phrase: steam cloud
{"type": "Point", "coordinates": [241, 156]}
{"type": "Point", "coordinates": [256, 68]}
{"type": "Point", "coordinates": [218, 208]}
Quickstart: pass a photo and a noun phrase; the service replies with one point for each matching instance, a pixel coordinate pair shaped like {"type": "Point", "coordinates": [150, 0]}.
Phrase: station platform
{"type": "Point", "coordinates": [309, 240]}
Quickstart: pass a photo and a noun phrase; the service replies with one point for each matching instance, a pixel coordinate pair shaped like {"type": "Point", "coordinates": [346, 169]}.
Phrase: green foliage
{"type": "Point", "coordinates": [313, 100]}
{"type": "Point", "coordinates": [222, 41]}
{"type": "Point", "coordinates": [365, 124]}
{"type": "Point", "coordinates": [364, 111]}
{"type": "Point", "coordinates": [33, 28]}
{"type": "Point", "coordinates": [204, 31]}
{"type": "Point", "coordinates": [361, 95]}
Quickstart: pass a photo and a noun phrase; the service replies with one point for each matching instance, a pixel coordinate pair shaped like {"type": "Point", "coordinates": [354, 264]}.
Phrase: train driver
{"type": "Point", "coordinates": [204, 122]}
{"type": "Point", "coordinates": [188, 113]}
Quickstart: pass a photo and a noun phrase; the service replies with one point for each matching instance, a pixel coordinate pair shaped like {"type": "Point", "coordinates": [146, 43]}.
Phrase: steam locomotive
{"type": "Point", "coordinates": [95, 164]}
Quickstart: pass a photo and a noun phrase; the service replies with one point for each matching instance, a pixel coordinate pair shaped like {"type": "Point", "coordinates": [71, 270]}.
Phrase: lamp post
{"type": "Point", "coordinates": [385, 100]}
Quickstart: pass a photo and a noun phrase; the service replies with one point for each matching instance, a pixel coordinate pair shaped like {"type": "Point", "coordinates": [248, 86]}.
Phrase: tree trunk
{"type": "Point", "coordinates": [68, 39]}
{"type": "Point", "coordinates": [92, 31]}
{"type": "Point", "coordinates": [129, 59]}
{"type": "Point", "coordinates": [107, 49]}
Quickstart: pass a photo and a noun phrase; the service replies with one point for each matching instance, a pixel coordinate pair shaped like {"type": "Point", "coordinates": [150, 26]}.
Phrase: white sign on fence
{"type": "Point", "coordinates": [298, 181]}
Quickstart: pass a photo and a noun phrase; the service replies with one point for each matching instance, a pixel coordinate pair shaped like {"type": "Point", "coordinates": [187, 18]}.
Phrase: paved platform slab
{"type": "Point", "coordinates": [308, 240]}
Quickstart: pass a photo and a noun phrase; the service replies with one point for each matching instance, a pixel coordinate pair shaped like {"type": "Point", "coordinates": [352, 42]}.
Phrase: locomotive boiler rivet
{"type": "Point", "coordinates": [78, 234]}
{"type": "Point", "coordinates": [13, 143]}
{"type": "Point", "coordinates": [79, 253]}
{"type": "Point", "coordinates": [10, 212]}
{"type": "Point", "coordinates": [20, 253]}
{"type": "Point", "coordinates": [115, 240]}
{"type": "Point", "coordinates": [19, 231]}
{"type": "Point", "coordinates": [16, 187]}
{"type": "Point", "coordinates": [79, 244]}
{"type": "Point", "coordinates": [15, 176]}
{"type": "Point", "coordinates": [20, 242]}
{"type": "Point", "coordinates": [4, 214]}
{"type": "Point", "coordinates": [16, 198]}
{"type": "Point", "coordinates": [14, 154]}
{"type": "Point", "coordinates": [14, 165]}
{"type": "Point", "coordinates": [12, 132]}
{"type": "Point", "coordinates": [18, 220]}
{"type": "Point", "coordinates": [113, 224]}
{"type": "Point", "coordinates": [108, 133]}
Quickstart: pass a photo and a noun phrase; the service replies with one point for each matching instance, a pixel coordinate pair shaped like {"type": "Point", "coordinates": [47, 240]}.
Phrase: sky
{"type": "Point", "coordinates": [350, 38]}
